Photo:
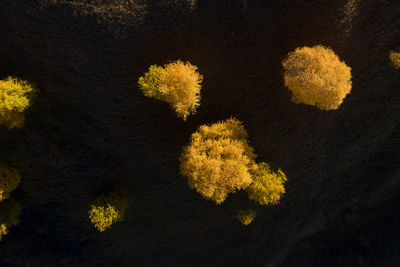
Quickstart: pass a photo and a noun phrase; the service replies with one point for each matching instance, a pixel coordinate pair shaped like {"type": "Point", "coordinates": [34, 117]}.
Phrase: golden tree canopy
{"type": "Point", "coordinates": [246, 216]}
{"type": "Point", "coordinates": [106, 211]}
{"type": "Point", "coordinates": [395, 59]}
{"type": "Point", "coordinates": [14, 99]}
{"type": "Point", "coordinates": [317, 77]}
{"type": "Point", "coordinates": [177, 83]}
{"type": "Point", "coordinates": [9, 180]}
{"type": "Point", "coordinates": [218, 160]}
{"type": "Point", "coordinates": [267, 186]}
{"type": "Point", "coordinates": [14, 95]}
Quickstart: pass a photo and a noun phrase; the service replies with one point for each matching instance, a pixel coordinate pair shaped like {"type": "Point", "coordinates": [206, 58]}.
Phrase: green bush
{"type": "Point", "coordinates": [9, 180]}
{"type": "Point", "coordinates": [107, 210]}
{"type": "Point", "coordinates": [9, 215]}
{"type": "Point", "coordinates": [267, 186]}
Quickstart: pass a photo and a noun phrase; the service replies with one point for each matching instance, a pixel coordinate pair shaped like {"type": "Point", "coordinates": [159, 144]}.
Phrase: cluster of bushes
{"type": "Point", "coordinates": [219, 161]}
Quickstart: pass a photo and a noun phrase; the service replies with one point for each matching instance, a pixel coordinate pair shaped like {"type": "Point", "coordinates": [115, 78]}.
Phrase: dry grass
{"type": "Point", "coordinates": [108, 11]}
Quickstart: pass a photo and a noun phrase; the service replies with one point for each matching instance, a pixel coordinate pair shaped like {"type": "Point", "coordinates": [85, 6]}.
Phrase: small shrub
{"type": "Point", "coordinates": [178, 84]}
{"type": "Point", "coordinates": [246, 216]}
{"type": "Point", "coordinates": [9, 215]}
{"type": "Point", "coordinates": [106, 211]}
{"type": "Point", "coordinates": [12, 119]}
{"type": "Point", "coordinates": [14, 99]}
{"type": "Point", "coordinates": [267, 186]}
{"type": "Point", "coordinates": [3, 231]}
{"type": "Point", "coordinates": [316, 76]}
{"type": "Point", "coordinates": [9, 180]}
{"type": "Point", "coordinates": [395, 59]}
{"type": "Point", "coordinates": [150, 82]}
{"type": "Point", "coordinates": [218, 160]}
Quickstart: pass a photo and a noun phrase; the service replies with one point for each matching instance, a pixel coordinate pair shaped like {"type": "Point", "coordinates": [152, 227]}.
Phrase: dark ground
{"type": "Point", "coordinates": [91, 131]}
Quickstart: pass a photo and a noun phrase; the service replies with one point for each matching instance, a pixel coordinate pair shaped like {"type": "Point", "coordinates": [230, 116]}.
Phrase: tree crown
{"type": "Point", "coordinates": [267, 186]}
{"type": "Point", "coordinates": [218, 160]}
{"type": "Point", "coordinates": [316, 76]}
{"type": "Point", "coordinates": [177, 83]}
{"type": "Point", "coordinates": [107, 210]}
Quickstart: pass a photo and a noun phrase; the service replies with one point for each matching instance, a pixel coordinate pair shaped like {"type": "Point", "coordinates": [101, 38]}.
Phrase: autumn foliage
{"type": "Point", "coordinates": [395, 59]}
{"type": "Point", "coordinates": [177, 83]}
{"type": "Point", "coordinates": [316, 76]}
{"type": "Point", "coordinates": [9, 215]}
{"type": "Point", "coordinates": [14, 99]}
{"type": "Point", "coordinates": [218, 160]}
{"type": "Point", "coordinates": [9, 180]}
{"type": "Point", "coordinates": [267, 186]}
{"type": "Point", "coordinates": [107, 210]}
{"type": "Point", "coordinates": [246, 216]}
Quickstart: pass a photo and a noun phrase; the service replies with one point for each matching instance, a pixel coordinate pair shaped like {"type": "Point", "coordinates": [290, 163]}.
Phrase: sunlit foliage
{"type": "Point", "coordinates": [3, 231]}
{"type": "Point", "coordinates": [177, 83]}
{"type": "Point", "coordinates": [150, 82]}
{"type": "Point", "coordinates": [107, 210]}
{"type": "Point", "coordinates": [218, 160]}
{"type": "Point", "coordinates": [9, 215]}
{"type": "Point", "coordinates": [395, 59]}
{"type": "Point", "coordinates": [267, 186]}
{"type": "Point", "coordinates": [9, 180]}
{"type": "Point", "coordinates": [316, 76]}
{"type": "Point", "coordinates": [14, 99]}
{"type": "Point", "coordinates": [246, 216]}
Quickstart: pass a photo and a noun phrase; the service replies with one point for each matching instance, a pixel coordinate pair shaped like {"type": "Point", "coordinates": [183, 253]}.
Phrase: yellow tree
{"type": "Point", "coordinates": [218, 160]}
{"type": "Point", "coordinates": [395, 59]}
{"type": "Point", "coordinates": [14, 99]}
{"type": "Point", "coordinates": [317, 77]}
{"type": "Point", "coordinates": [177, 83]}
{"type": "Point", "coordinates": [267, 186]}
{"type": "Point", "coordinates": [107, 210]}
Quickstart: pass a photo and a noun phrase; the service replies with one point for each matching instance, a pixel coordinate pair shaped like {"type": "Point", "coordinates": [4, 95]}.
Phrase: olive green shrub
{"type": "Point", "coordinates": [218, 160]}
{"type": "Point", "coordinates": [177, 83]}
{"type": "Point", "coordinates": [317, 77]}
{"type": "Point", "coordinates": [246, 216]}
{"type": "Point", "coordinates": [9, 180]}
{"type": "Point", "coordinates": [9, 215]}
{"type": "Point", "coordinates": [15, 97]}
{"type": "Point", "coordinates": [107, 210]}
{"type": "Point", "coordinates": [267, 186]}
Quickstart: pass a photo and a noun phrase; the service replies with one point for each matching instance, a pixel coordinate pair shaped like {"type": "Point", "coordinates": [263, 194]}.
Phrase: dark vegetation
{"type": "Point", "coordinates": [92, 132]}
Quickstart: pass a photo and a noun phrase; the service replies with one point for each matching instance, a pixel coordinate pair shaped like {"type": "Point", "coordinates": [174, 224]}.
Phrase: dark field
{"type": "Point", "coordinates": [91, 131]}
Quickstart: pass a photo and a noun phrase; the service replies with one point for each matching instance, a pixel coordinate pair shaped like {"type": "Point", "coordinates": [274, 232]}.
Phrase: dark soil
{"type": "Point", "coordinates": [92, 131]}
